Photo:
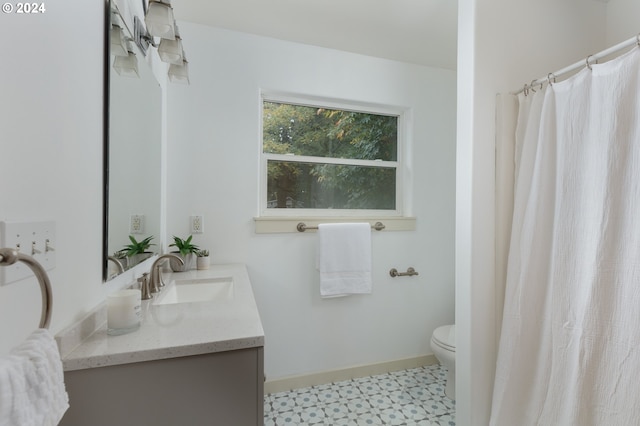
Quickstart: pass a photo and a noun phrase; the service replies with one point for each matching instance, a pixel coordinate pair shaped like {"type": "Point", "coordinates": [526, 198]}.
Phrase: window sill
{"type": "Point", "coordinates": [275, 225]}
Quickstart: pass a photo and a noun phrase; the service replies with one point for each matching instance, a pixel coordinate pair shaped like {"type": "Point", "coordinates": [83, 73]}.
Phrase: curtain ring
{"type": "Point", "coordinates": [551, 78]}
{"type": "Point", "coordinates": [531, 85]}
{"type": "Point", "coordinates": [588, 63]}
{"type": "Point", "coordinates": [525, 90]}
{"type": "Point", "coordinates": [638, 39]}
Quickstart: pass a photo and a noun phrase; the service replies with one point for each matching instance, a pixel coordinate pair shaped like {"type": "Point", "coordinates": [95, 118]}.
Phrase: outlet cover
{"type": "Point", "coordinates": [136, 224]}
{"type": "Point", "coordinates": [197, 224]}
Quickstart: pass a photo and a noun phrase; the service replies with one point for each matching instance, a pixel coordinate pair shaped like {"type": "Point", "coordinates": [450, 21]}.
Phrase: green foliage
{"type": "Point", "coordinates": [184, 246]}
{"type": "Point", "coordinates": [137, 247]}
{"type": "Point", "coordinates": [319, 132]}
{"type": "Point", "coordinates": [202, 253]}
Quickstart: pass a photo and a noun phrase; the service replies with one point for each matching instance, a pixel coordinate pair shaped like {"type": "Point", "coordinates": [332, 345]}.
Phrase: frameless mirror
{"type": "Point", "coordinates": [132, 172]}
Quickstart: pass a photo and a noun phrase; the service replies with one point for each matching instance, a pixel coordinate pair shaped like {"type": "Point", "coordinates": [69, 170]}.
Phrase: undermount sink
{"type": "Point", "coordinates": [196, 290]}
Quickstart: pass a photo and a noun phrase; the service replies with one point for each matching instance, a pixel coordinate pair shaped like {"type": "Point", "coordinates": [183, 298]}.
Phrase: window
{"type": "Point", "coordinates": [325, 159]}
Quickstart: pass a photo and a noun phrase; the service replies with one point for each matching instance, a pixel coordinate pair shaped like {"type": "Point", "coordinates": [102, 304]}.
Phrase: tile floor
{"type": "Point", "coordinates": [413, 397]}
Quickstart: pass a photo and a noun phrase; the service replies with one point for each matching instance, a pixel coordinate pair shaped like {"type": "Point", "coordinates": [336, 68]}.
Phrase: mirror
{"type": "Point", "coordinates": [133, 149]}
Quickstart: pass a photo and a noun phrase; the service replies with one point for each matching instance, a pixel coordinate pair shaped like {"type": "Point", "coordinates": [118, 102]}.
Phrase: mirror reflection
{"type": "Point", "coordinates": [134, 159]}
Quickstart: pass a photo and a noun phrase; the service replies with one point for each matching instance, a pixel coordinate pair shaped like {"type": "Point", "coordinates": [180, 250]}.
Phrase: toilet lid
{"type": "Point", "coordinates": [445, 336]}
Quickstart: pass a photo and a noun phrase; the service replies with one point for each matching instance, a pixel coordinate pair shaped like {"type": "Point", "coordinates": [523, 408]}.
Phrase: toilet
{"type": "Point", "coordinates": [443, 345]}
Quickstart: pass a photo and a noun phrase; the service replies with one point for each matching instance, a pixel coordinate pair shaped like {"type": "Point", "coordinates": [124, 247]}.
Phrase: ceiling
{"type": "Point", "coordinates": [417, 31]}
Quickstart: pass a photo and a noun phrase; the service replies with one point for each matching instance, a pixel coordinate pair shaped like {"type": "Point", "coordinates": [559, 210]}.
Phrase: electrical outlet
{"type": "Point", "coordinates": [136, 224]}
{"type": "Point", "coordinates": [197, 225]}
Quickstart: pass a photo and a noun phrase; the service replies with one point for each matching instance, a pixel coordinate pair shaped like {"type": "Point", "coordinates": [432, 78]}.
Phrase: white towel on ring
{"type": "Point", "coordinates": [32, 391]}
{"type": "Point", "coordinates": [344, 259]}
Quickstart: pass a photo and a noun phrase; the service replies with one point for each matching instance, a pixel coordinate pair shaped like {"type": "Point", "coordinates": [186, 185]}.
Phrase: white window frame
{"type": "Point", "coordinates": [281, 220]}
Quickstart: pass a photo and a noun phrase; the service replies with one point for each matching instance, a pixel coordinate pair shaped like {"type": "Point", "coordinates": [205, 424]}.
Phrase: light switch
{"type": "Point", "coordinates": [36, 239]}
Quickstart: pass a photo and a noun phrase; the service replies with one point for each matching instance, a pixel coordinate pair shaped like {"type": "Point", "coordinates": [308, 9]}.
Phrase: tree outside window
{"type": "Point", "coordinates": [322, 158]}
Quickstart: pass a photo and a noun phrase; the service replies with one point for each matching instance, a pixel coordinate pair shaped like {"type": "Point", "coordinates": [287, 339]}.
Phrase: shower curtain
{"type": "Point", "coordinates": [569, 350]}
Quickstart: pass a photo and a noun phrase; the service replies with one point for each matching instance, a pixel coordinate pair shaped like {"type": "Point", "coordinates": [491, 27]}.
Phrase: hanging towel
{"type": "Point", "coordinates": [344, 259]}
{"type": "Point", "coordinates": [32, 391]}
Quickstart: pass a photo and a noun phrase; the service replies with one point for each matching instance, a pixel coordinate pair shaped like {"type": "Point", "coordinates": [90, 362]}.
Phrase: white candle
{"type": "Point", "coordinates": [123, 311]}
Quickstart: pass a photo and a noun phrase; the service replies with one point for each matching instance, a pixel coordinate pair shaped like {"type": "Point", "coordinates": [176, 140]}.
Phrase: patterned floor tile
{"type": "Point", "coordinates": [392, 416]}
{"type": "Point", "coordinates": [415, 413]}
{"type": "Point", "coordinates": [282, 402]}
{"type": "Point", "coordinates": [336, 410]}
{"type": "Point", "coordinates": [413, 397]}
{"type": "Point", "coordinates": [446, 420]}
{"type": "Point", "coordinates": [305, 397]}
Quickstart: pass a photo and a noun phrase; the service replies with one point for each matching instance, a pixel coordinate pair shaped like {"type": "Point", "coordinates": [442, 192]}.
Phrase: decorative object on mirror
{"type": "Point", "coordinates": [137, 250]}
{"type": "Point", "coordinates": [141, 37]}
{"type": "Point", "coordinates": [120, 262]}
{"type": "Point", "coordinates": [159, 19]}
{"type": "Point", "coordinates": [160, 23]}
{"type": "Point", "coordinates": [137, 247]}
{"type": "Point", "coordinates": [186, 250]}
{"type": "Point", "coordinates": [127, 66]}
{"type": "Point", "coordinates": [179, 73]}
{"type": "Point", "coordinates": [170, 51]}
{"type": "Point", "coordinates": [202, 261]}
{"type": "Point", "coordinates": [118, 41]}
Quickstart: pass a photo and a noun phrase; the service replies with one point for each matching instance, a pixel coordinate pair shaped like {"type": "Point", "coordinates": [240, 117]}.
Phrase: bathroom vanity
{"type": "Point", "coordinates": [196, 359]}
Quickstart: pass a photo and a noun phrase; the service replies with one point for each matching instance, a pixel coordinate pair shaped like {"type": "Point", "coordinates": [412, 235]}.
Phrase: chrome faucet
{"type": "Point", "coordinates": [144, 286]}
{"type": "Point", "coordinates": [155, 279]}
{"type": "Point", "coordinates": [117, 263]}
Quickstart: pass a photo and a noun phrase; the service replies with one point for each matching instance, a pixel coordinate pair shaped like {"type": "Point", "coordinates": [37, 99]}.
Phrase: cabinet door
{"type": "Point", "coordinates": [225, 388]}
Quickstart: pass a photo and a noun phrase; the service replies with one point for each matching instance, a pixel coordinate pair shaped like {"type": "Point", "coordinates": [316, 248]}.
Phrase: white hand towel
{"type": "Point", "coordinates": [344, 259]}
{"type": "Point", "coordinates": [32, 391]}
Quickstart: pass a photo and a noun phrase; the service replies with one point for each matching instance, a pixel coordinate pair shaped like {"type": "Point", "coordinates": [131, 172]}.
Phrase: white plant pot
{"type": "Point", "coordinates": [189, 262]}
{"type": "Point", "coordinates": [202, 262]}
{"type": "Point", "coordinates": [138, 258]}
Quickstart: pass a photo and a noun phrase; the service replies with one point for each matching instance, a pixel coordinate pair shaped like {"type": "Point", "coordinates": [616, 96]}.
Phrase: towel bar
{"type": "Point", "coordinates": [378, 226]}
{"type": "Point", "coordinates": [410, 272]}
{"type": "Point", "coordinates": [9, 256]}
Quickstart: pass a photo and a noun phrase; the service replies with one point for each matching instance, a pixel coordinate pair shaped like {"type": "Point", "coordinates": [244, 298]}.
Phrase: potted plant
{"type": "Point", "coordinates": [202, 261]}
{"type": "Point", "coordinates": [137, 251]}
{"type": "Point", "coordinates": [186, 250]}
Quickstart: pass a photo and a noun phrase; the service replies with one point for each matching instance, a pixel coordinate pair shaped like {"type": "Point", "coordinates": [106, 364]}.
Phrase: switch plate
{"type": "Point", "coordinates": [36, 239]}
{"type": "Point", "coordinates": [136, 224]}
{"type": "Point", "coordinates": [197, 224]}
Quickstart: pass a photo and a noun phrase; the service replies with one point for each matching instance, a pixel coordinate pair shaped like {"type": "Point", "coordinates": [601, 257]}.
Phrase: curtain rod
{"type": "Point", "coordinates": [591, 59]}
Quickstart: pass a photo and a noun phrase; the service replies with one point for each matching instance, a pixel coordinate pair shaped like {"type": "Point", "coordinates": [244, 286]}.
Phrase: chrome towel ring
{"type": "Point", "coordinates": [9, 256]}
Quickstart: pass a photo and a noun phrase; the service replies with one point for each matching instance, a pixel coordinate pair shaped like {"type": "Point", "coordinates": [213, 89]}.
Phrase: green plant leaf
{"type": "Point", "coordinates": [184, 246]}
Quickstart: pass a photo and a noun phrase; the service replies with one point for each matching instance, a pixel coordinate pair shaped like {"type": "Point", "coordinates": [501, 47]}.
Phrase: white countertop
{"type": "Point", "coordinates": [176, 330]}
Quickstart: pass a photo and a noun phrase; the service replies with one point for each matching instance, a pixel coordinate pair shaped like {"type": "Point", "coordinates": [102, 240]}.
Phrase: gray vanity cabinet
{"type": "Point", "coordinates": [222, 388]}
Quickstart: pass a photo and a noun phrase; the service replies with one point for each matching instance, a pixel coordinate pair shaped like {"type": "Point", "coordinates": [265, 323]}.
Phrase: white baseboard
{"type": "Point", "coordinates": [315, 379]}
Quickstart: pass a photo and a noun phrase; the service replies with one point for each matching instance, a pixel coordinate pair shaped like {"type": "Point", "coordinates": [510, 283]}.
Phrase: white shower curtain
{"type": "Point", "coordinates": [569, 349]}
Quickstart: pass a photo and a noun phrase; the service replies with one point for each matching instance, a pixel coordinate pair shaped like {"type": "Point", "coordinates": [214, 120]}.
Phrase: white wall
{"type": "Point", "coordinates": [51, 154]}
{"type": "Point", "coordinates": [504, 44]}
{"type": "Point", "coordinates": [213, 164]}
{"type": "Point", "coordinates": [622, 20]}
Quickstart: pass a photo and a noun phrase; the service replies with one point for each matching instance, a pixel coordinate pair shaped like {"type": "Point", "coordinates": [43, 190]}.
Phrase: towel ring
{"type": "Point", "coordinates": [9, 256]}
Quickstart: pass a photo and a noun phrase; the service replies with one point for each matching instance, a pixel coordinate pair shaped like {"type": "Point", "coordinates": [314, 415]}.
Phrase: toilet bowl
{"type": "Point", "coordinates": [443, 345]}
